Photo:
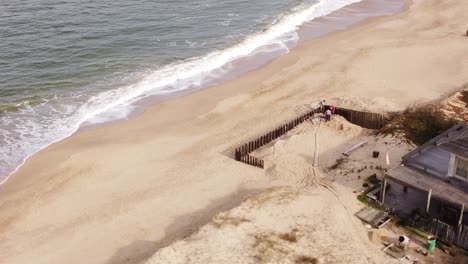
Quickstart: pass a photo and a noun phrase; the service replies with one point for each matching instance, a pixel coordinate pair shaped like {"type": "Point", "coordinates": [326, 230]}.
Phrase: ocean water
{"type": "Point", "coordinates": [69, 64]}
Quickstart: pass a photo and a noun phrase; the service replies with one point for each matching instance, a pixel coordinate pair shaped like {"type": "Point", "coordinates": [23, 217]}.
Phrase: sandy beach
{"type": "Point", "coordinates": [121, 192]}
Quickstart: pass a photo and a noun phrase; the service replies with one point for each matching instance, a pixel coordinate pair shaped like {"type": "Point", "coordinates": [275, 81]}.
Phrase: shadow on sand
{"type": "Point", "coordinates": [184, 225]}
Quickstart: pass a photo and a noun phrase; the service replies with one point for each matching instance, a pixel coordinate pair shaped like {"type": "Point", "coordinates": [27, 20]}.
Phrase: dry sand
{"type": "Point", "coordinates": [117, 193]}
{"type": "Point", "coordinates": [278, 226]}
{"type": "Point", "coordinates": [311, 219]}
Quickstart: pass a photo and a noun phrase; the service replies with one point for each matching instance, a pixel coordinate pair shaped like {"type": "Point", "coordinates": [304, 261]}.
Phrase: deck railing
{"type": "Point", "coordinates": [455, 235]}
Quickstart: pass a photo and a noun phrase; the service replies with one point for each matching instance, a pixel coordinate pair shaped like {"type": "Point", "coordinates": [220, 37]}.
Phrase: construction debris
{"type": "Point", "coordinates": [399, 254]}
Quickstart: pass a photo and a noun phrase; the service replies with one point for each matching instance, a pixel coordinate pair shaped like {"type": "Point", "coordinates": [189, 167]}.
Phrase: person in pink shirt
{"type": "Point", "coordinates": [328, 114]}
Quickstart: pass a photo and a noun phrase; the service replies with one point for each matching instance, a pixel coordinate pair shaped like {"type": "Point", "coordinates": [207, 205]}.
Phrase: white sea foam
{"type": "Point", "coordinates": [36, 126]}
{"type": "Point", "coordinates": [180, 76]}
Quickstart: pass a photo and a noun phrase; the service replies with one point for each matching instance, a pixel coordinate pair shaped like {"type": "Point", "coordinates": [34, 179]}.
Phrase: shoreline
{"type": "Point", "coordinates": [338, 20]}
{"type": "Point", "coordinates": [305, 34]}
{"type": "Point", "coordinates": [126, 182]}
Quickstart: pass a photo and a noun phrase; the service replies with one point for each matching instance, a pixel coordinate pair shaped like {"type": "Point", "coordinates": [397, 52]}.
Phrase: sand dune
{"type": "Point", "coordinates": [278, 226]}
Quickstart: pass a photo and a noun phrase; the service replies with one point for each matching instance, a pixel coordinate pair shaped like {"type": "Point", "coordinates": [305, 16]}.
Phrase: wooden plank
{"type": "Point", "coordinates": [348, 152]}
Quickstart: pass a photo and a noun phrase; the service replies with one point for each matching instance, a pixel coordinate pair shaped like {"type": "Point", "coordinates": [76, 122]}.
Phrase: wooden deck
{"type": "Point", "coordinates": [455, 191]}
{"type": "Point", "coordinates": [374, 217]}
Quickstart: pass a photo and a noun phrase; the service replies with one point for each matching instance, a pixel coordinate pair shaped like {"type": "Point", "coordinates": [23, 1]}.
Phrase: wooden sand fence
{"type": "Point", "coordinates": [455, 235]}
{"type": "Point", "coordinates": [364, 119]}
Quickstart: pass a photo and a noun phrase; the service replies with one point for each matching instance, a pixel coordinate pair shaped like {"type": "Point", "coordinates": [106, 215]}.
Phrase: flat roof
{"type": "Point", "coordinates": [433, 156]}
{"type": "Point", "coordinates": [454, 191]}
{"type": "Point", "coordinates": [432, 159]}
{"type": "Point", "coordinates": [458, 146]}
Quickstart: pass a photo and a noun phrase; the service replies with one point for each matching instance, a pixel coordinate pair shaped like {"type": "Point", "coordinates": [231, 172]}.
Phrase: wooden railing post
{"type": "Point", "coordinates": [382, 192]}
{"type": "Point", "coordinates": [460, 219]}
{"type": "Point", "coordinates": [428, 204]}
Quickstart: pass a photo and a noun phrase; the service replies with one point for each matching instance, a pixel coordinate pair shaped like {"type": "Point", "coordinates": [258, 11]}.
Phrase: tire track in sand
{"type": "Point", "coordinates": [318, 179]}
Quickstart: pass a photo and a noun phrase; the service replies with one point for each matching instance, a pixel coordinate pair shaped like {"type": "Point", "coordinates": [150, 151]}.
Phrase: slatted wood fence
{"type": "Point", "coordinates": [364, 119]}
{"type": "Point", "coordinates": [242, 153]}
{"type": "Point", "coordinates": [456, 235]}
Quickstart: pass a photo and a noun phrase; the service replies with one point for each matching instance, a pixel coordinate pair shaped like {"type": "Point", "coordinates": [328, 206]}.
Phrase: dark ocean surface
{"type": "Point", "coordinates": [64, 64]}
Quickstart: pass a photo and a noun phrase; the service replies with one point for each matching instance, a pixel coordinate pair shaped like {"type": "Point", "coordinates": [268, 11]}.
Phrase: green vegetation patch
{"type": "Point", "coordinates": [373, 179]}
{"type": "Point", "coordinates": [419, 125]}
{"type": "Point", "coordinates": [418, 218]}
